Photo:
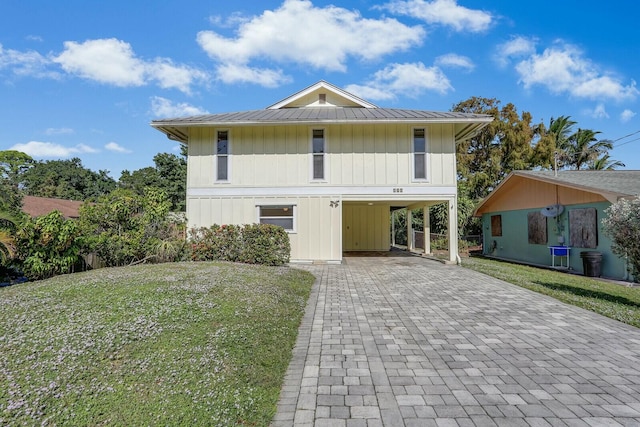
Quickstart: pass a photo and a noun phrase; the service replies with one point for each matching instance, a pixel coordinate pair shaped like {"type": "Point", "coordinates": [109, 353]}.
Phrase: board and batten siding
{"type": "Point", "coordinates": [278, 156]}
{"type": "Point", "coordinates": [318, 225]}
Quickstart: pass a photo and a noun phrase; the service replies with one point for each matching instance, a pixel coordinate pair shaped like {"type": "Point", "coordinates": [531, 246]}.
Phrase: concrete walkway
{"type": "Point", "coordinates": [406, 341]}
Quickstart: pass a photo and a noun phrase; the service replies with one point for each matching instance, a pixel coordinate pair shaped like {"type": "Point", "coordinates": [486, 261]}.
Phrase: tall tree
{"type": "Point", "coordinates": [501, 147]}
{"type": "Point", "coordinates": [13, 165]}
{"type": "Point", "coordinates": [605, 162]}
{"type": "Point", "coordinates": [67, 179]}
{"type": "Point", "coordinates": [552, 142]}
{"type": "Point", "coordinates": [169, 175]}
{"type": "Point", "coordinates": [583, 148]}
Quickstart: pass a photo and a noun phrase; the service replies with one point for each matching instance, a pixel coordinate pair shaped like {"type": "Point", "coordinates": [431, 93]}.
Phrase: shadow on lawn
{"type": "Point", "coordinates": [588, 293]}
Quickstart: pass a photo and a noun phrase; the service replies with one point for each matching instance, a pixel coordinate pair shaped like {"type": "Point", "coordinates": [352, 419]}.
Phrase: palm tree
{"type": "Point", "coordinates": [583, 148]}
{"type": "Point", "coordinates": [553, 141]}
{"type": "Point", "coordinates": [7, 246]}
{"type": "Point", "coordinates": [7, 242]}
{"type": "Point", "coordinates": [605, 163]}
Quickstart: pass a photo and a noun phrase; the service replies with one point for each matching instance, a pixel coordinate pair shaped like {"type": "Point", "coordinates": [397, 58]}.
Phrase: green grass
{"type": "Point", "coordinates": [170, 344]}
{"type": "Point", "coordinates": [609, 299]}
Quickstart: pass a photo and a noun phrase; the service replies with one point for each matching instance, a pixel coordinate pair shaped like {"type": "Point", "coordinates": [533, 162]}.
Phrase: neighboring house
{"type": "Point", "coordinates": [533, 210]}
{"type": "Point", "coordinates": [38, 206]}
{"type": "Point", "coordinates": [326, 165]}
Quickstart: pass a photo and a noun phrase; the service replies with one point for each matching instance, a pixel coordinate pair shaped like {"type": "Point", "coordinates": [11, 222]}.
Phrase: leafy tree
{"type": "Point", "coordinates": [169, 175]}
{"type": "Point", "coordinates": [499, 148]}
{"type": "Point", "coordinates": [66, 179]}
{"type": "Point", "coordinates": [48, 245]}
{"type": "Point", "coordinates": [622, 224]}
{"type": "Point", "coordinates": [13, 165]}
{"type": "Point", "coordinates": [123, 227]}
{"type": "Point", "coordinates": [10, 198]}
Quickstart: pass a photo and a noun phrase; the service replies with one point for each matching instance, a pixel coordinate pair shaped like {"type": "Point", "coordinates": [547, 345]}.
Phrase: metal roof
{"type": "Point", "coordinates": [177, 128]}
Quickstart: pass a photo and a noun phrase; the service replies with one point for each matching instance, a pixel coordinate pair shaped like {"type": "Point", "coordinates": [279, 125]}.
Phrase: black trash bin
{"type": "Point", "coordinates": [591, 263]}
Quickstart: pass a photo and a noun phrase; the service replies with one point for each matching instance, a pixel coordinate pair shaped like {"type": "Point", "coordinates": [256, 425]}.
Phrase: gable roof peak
{"type": "Point", "coordinates": [322, 94]}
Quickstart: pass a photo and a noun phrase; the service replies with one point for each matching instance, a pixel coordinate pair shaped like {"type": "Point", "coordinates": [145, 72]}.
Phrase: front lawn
{"type": "Point", "coordinates": [170, 344]}
{"type": "Point", "coordinates": [609, 299]}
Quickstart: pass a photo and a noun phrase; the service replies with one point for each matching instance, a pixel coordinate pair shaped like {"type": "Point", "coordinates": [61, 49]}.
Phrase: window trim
{"type": "Point", "coordinates": [427, 171]}
{"type": "Point", "coordinates": [294, 211]}
{"type": "Point", "coordinates": [217, 156]}
{"type": "Point", "coordinates": [312, 155]}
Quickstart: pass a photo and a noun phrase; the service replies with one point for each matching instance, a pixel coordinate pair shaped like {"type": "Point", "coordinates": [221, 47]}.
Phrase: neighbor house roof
{"type": "Point", "coordinates": [610, 184]}
{"type": "Point", "coordinates": [38, 206]}
{"type": "Point", "coordinates": [350, 109]}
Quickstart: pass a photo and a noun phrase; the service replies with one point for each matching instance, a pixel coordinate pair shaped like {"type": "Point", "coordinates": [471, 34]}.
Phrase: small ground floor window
{"type": "Point", "coordinates": [282, 215]}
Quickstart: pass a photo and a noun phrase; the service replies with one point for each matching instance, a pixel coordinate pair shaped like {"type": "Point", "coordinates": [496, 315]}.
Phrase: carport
{"type": "Point", "coordinates": [367, 224]}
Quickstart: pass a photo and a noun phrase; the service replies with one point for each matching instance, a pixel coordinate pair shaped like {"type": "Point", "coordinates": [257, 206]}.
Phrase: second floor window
{"type": "Point", "coordinates": [318, 148]}
{"type": "Point", "coordinates": [222, 156]}
{"type": "Point", "coordinates": [419, 154]}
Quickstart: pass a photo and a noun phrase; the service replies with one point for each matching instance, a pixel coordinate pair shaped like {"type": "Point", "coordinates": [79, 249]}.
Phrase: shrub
{"type": "Point", "coordinates": [252, 244]}
{"type": "Point", "coordinates": [622, 224]}
{"type": "Point", "coordinates": [265, 244]}
{"type": "Point", "coordinates": [48, 245]}
{"type": "Point", "coordinates": [124, 227]}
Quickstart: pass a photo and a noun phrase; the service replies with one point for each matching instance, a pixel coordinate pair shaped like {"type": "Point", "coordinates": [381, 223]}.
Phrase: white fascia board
{"type": "Point", "coordinates": [321, 84]}
{"type": "Point", "coordinates": [395, 192]}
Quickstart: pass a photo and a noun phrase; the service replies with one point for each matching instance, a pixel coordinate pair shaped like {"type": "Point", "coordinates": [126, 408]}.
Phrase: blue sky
{"type": "Point", "coordinates": [84, 78]}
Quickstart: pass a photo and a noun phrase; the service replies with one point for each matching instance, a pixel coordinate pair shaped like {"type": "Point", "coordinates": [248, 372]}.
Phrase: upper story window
{"type": "Point", "coordinates": [419, 154]}
{"type": "Point", "coordinates": [318, 148]}
{"type": "Point", "coordinates": [222, 156]}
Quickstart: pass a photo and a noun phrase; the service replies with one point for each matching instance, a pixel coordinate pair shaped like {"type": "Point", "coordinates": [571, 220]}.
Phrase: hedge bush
{"type": "Point", "coordinates": [250, 244]}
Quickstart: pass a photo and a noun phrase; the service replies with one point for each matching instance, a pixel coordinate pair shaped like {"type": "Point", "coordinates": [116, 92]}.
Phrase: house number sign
{"type": "Point", "coordinates": [398, 190]}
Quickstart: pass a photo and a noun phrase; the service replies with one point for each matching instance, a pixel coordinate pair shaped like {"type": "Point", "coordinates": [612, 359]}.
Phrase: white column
{"type": "Point", "coordinates": [426, 226]}
{"type": "Point", "coordinates": [409, 231]}
{"type": "Point", "coordinates": [453, 229]}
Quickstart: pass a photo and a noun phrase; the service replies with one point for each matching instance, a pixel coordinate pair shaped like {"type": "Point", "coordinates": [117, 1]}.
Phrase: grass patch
{"type": "Point", "coordinates": [169, 344]}
{"type": "Point", "coordinates": [615, 301]}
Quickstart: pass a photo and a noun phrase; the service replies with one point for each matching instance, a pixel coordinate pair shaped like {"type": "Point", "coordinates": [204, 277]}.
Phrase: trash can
{"type": "Point", "coordinates": [591, 263]}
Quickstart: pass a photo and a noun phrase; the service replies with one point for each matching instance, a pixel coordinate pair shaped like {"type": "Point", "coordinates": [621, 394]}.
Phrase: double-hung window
{"type": "Point", "coordinates": [419, 154]}
{"type": "Point", "coordinates": [282, 215]}
{"type": "Point", "coordinates": [222, 156]}
{"type": "Point", "coordinates": [318, 148]}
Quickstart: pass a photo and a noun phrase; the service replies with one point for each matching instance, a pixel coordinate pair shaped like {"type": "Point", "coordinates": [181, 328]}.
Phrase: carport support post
{"type": "Point", "coordinates": [409, 231]}
{"type": "Point", "coordinates": [453, 230]}
{"type": "Point", "coordinates": [426, 228]}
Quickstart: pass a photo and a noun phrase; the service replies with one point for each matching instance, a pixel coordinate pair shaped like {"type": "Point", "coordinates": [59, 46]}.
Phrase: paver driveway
{"type": "Point", "coordinates": [408, 341]}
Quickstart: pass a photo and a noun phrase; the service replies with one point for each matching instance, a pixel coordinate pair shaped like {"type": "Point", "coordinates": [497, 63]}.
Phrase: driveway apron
{"type": "Point", "coordinates": [407, 341]}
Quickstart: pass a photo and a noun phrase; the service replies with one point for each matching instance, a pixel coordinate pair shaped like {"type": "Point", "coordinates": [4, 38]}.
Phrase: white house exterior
{"type": "Point", "coordinates": [326, 165]}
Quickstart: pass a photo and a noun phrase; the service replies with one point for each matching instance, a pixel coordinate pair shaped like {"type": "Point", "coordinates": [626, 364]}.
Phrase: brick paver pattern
{"type": "Point", "coordinates": [407, 341]}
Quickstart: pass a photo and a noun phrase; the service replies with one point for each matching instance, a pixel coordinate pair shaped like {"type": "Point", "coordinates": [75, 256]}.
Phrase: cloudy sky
{"type": "Point", "coordinates": [84, 79]}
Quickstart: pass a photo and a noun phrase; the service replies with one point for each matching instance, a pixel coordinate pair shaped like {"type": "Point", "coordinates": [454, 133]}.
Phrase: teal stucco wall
{"type": "Point", "coordinates": [514, 242]}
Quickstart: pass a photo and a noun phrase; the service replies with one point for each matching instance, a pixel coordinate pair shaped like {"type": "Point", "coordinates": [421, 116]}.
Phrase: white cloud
{"type": "Point", "coordinates": [162, 107]}
{"type": "Point", "coordinates": [455, 61]}
{"type": "Point", "coordinates": [443, 12]}
{"type": "Point", "coordinates": [300, 33]}
{"type": "Point", "coordinates": [409, 79]}
{"type": "Point", "coordinates": [50, 150]}
{"type": "Point", "coordinates": [113, 61]}
{"type": "Point", "coordinates": [516, 47]}
{"type": "Point", "coordinates": [564, 69]}
{"type": "Point", "coordinates": [627, 115]}
{"type": "Point", "coordinates": [234, 73]}
{"type": "Point", "coordinates": [599, 112]}
{"type": "Point", "coordinates": [29, 63]}
{"type": "Point", "coordinates": [113, 146]}
{"type": "Point", "coordinates": [59, 131]}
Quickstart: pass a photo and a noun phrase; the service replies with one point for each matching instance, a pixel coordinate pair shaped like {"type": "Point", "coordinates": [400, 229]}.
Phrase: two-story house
{"type": "Point", "coordinates": [324, 164]}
